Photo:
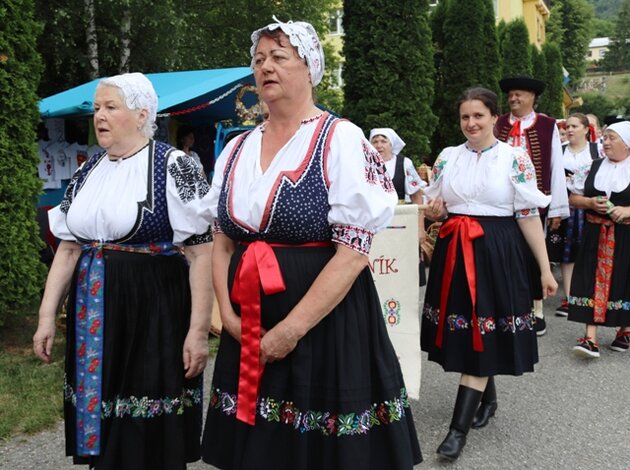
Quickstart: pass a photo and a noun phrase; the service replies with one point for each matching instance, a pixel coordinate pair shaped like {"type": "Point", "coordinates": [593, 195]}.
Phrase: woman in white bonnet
{"type": "Point", "coordinates": [305, 376]}
{"type": "Point", "coordinates": [138, 311]}
{"type": "Point", "coordinates": [600, 291]}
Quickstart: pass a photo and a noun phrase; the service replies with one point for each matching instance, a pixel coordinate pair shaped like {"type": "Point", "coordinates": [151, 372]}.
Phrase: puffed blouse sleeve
{"type": "Point", "coordinates": [57, 215]}
{"type": "Point", "coordinates": [575, 184]}
{"type": "Point", "coordinates": [527, 197]}
{"type": "Point", "coordinates": [434, 190]}
{"type": "Point", "coordinates": [217, 184]}
{"type": "Point", "coordinates": [361, 195]}
{"type": "Point", "coordinates": [187, 196]}
{"type": "Point", "coordinates": [413, 182]}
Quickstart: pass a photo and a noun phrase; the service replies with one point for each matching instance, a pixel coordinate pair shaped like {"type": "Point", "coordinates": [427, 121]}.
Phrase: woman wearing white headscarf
{"type": "Point", "coordinates": [305, 376]}
{"type": "Point", "coordinates": [138, 311]}
{"type": "Point", "coordinates": [600, 292]}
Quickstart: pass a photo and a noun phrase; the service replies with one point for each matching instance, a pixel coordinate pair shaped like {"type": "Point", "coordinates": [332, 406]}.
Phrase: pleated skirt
{"type": "Point", "coordinates": [503, 305]}
{"type": "Point", "coordinates": [152, 415]}
{"type": "Point", "coordinates": [337, 401]}
{"type": "Point", "coordinates": [564, 244]}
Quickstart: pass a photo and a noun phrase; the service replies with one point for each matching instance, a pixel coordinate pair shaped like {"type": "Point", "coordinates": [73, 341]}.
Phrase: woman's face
{"type": "Point", "coordinates": [563, 134]}
{"type": "Point", "coordinates": [576, 132]}
{"type": "Point", "coordinates": [279, 71]}
{"type": "Point", "coordinates": [189, 139]}
{"type": "Point", "coordinates": [477, 123]}
{"type": "Point", "coordinates": [383, 146]}
{"type": "Point", "coordinates": [117, 127]}
{"type": "Point", "coordinates": [614, 146]}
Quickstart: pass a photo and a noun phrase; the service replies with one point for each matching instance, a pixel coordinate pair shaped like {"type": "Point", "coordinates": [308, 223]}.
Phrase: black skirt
{"type": "Point", "coordinates": [503, 305]}
{"type": "Point", "coordinates": [583, 279]}
{"type": "Point", "coordinates": [152, 415]}
{"type": "Point", "coordinates": [564, 244]}
{"type": "Point", "coordinates": [337, 401]}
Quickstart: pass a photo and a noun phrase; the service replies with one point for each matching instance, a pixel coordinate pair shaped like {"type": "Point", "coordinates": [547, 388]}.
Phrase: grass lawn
{"type": "Point", "coordinates": [31, 392]}
{"type": "Point", "coordinates": [617, 85]}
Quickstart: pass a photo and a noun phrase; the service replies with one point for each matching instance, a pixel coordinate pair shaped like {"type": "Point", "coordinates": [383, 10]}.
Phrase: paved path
{"type": "Point", "coordinates": [571, 413]}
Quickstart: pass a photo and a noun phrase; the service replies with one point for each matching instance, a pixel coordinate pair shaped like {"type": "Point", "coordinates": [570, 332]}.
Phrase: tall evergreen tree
{"type": "Point", "coordinates": [569, 26]}
{"type": "Point", "coordinates": [515, 49]}
{"type": "Point", "coordinates": [388, 72]}
{"type": "Point", "coordinates": [20, 69]}
{"type": "Point", "coordinates": [539, 70]}
{"type": "Point", "coordinates": [552, 103]}
{"type": "Point", "coordinates": [491, 65]}
{"type": "Point", "coordinates": [466, 62]}
{"type": "Point", "coordinates": [618, 55]}
{"type": "Point", "coordinates": [438, 15]}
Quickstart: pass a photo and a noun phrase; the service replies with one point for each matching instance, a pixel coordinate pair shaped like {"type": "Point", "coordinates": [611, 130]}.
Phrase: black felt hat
{"type": "Point", "coordinates": [522, 82]}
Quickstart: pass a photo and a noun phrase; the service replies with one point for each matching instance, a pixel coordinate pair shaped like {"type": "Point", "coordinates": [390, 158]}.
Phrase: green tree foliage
{"type": "Point", "coordinates": [388, 72]}
{"type": "Point", "coordinates": [552, 99]}
{"type": "Point", "coordinates": [20, 69]}
{"type": "Point", "coordinates": [492, 64]}
{"type": "Point", "coordinates": [539, 65]}
{"type": "Point", "coordinates": [618, 55]}
{"type": "Point", "coordinates": [602, 28]}
{"type": "Point", "coordinates": [606, 9]}
{"type": "Point", "coordinates": [601, 106]}
{"type": "Point", "coordinates": [163, 36]}
{"type": "Point", "coordinates": [469, 58]}
{"type": "Point", "coordinates": [569, 26]}
{"type": "Point", "coordinates": [515, 49]}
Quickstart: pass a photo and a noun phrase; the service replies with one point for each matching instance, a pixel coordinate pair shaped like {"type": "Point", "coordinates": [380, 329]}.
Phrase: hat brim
{"type": "Point", "coordinates": [522, 83]}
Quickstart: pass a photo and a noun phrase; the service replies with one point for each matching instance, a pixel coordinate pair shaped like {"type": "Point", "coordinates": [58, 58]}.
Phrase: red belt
{"type": "Point", "coordinates": [464, 230]}
{"type": "Point", "coordinates": [604, 268]}
{"type": "Point", "coordinates": [258, 267]}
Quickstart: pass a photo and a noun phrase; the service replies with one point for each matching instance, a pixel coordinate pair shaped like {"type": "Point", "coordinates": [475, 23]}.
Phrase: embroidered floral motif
{"type": "Point", "coordinates": [486, 324]}
{"type": "Point", "coordinates": [199, 239]}
{"type": "Point", "coordinates": [438, 167]}
{"type": "Point", "coordinates": [189, 180]}
{"type": "Point", "coordinates": [522, 168]}
{"type": "Point", "coordinates": [142, 407]}
{"type": "Point", "coordinates": [325, 422]}
{"type": "Point", "coordinates": [590, 303]}
{"type": "Point", "coordinates": [375, 171]}
{"type": "Point", "coordinates": [353, 237]}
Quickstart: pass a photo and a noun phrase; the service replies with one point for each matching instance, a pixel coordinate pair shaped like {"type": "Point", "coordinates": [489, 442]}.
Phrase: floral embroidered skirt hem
{"type": "Point", "coordinates": [503, 306]}
{"type": "Point", "coordinates": [581, 298]}
{"type": "Point", "coordinates": [151, 415]}
{"type": "Point", "coordinates": [564, 244]}
{"type": "Point", "coordinates": [337, 401]}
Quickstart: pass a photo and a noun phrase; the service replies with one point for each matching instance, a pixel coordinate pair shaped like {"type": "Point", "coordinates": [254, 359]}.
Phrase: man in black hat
{"type": "Point", "coordinates": [538, 135]}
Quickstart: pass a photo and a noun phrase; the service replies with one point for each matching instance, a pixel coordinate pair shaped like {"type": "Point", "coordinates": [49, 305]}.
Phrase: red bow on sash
{"type": "Point", "coordinates": [464, 230]}
{"type": "Point", "coordinates": [515, 133]}
{"type": "Point", "coordinates": [604, 268]}
{"type": "Point", "coordinates": [258, 267]}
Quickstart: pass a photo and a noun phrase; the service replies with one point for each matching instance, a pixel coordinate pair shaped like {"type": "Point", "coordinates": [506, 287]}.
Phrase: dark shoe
{"type": "Point", "coordinates": [541, 326]}
{"type": "Point", "coordinates": [621, 342]}
{"type": "Point", "coordinates": [563, 309]}
{"type": "Point", "coordinates": [586, 348]}
{"type": "Point", "coordinates": [487, 407]}
{"type": "Point", "coordinates": [465, 407]}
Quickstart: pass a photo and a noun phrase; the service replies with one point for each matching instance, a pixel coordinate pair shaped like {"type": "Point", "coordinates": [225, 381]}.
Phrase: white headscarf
{"type": "Point", "coordinates": [303, 37]}
{"type": "Point", "coordinates": [623, 129]}
{"type": "Point", "coordinates": [137, 91]}
{"type": "Point", "coordinates": [396, 141]}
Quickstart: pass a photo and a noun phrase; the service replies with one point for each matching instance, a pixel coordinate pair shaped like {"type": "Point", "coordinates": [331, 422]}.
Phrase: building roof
{"type": "Point", "coordinates": [599, 42]}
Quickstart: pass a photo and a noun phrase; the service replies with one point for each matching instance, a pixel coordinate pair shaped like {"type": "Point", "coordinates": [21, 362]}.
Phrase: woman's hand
{"type": "Point", "coordinates": [599, 204]}
{"type": "Point", "coordinates": [195, 353]}
{"type": "Point", "coordinates": [619, 213]}
{"type": "Point", "coordinates": [277, 343]}
{"type": "Point", "coordinates": [554, 223]}
{"type": "Point", "coordinates": [44, 337]}
{"type": "Point", "coordinates": [437, 209]}
{"type": "Point", "coordinates": [549, 284]}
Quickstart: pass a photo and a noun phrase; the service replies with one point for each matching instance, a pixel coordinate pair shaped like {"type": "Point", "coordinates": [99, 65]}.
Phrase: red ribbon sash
{"type": "Point", "coordinates": [258, 267]}
{"type": "Point", "coordinates": [515, 133]}
{"type": "Point", "coordinates": [604, 267]}
{"type": "Point", "coordinates": [463, 230]}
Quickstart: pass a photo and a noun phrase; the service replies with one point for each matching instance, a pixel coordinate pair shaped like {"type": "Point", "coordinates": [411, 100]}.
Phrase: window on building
{"type": "Point", "coordinates": [338, 77]}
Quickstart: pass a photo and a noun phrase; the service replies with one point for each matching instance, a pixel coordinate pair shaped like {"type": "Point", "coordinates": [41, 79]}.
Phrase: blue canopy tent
{"type": "Point", "coordinates": [177, 92]}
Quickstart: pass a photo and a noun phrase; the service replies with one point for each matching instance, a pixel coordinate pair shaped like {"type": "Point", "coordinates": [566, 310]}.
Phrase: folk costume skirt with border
{"type": "Point", "coordinates": [564, 244]}
{"type": "Point", "coordinates": [152, 415]}
{"type": "Point", "coordinates": [503, 304]}
{"type": "Point", "coordinates": [583, 281]}
{"type": "Point", "coordinates": [337, 401]}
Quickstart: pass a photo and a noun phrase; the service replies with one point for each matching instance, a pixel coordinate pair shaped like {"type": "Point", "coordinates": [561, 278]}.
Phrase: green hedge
{"type": "Point", "coordinates": [20, 69]}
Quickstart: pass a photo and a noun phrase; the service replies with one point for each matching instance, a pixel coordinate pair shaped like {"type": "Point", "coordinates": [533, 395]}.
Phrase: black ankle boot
{"type": "Point", "coordinates": [488, 405]}
{"type": "Point", "coordinates": [465, 407]}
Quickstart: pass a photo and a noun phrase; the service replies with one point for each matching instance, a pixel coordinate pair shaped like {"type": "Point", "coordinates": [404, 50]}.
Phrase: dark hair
{"type": "Point", "coordinates": [183, 131]}
{"type": "Point", "coordinates": [582, 118]}
{"type": "Point", "coordinates": [487, 97]}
